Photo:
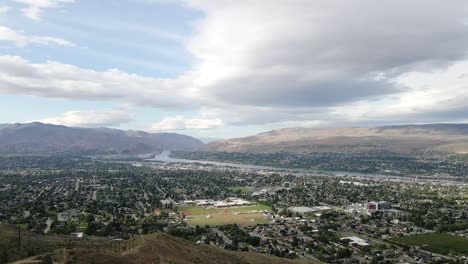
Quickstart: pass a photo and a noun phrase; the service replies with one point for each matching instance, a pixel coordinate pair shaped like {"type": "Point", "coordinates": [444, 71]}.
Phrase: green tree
{"type": "Point", "coordinates": [47, 260]}
{"type": "Point", "coordinates": [343, 253]}
{"type": "Point", "coordinates": [4, 257]}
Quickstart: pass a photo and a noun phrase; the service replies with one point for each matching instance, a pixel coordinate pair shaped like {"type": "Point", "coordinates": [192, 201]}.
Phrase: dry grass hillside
{"type": "Point", "coordinates": [152, 248]}
{"type": "Point", "coordinates": [397, 139]}
{"type": "Point", "coordinates": [162, 248]}
{"type": "Point", "coordinates": [38, 137]}
{"type": "Point", "coordinates": [35, 244]}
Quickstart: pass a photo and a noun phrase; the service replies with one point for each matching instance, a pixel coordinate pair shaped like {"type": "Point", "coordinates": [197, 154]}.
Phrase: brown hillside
{"type": "Point", "coordinates": [163, 248]}
{"type": "Point", "coordinates": [397, 139]}
{"type": "Point", "coordinates": [38, 137]}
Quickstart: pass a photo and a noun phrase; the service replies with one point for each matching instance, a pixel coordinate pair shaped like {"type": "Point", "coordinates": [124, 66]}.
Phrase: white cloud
{"type": "Point", "coordinates": [183, 123]}
{"type": "Point", "coordinates": [289, 62]}
{"type": "Point", "coordinates": [19, 39]}
{"type": "Point", "coordinates": [339, 62]}
{"type": "Point", "coordinates": [91, 118]}
{"type": "Point", "coordinates": [435, 96]}
{"type": "Point", "coordinates": [4, 9]}
{"type": "Point", "coordinates": [34, 8]}
{"type": "Point", "coordinates": [320, 53]}
{"type": "Point", "coordinates": [58, 80]}
{"type": "Point", "coordinates": [158, 2]}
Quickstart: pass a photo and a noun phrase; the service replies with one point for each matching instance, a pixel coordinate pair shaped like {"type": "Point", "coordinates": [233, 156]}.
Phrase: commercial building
{"type": "Point", "coordinates": [379, 206]}
{"type": "Point", "coordinates": [354, 241]}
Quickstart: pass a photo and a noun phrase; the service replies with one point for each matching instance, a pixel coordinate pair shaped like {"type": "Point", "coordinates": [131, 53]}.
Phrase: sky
{"type": "Point", "coordinates": [222, 69]}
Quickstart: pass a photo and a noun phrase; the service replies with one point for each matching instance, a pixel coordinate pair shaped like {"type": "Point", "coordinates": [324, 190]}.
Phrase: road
{"type": "Point", "coordinates": [221, 234]}
{"type": "Point", "coordinates": [49, 224]}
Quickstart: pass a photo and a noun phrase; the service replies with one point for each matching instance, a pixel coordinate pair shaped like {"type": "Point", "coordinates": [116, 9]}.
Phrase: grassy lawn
{"type": "Point", "coordinates": [462, 157]}
{"type": "Point", "coordinates": [82, 226]}
{"type": "Point", "coordinates": [438, 243]}
{"type": "Point", "coordinates": [256, 207]}
{"type": "Point", "coordinates": [197, 210]}
{"type": "Point", "coordinates": [245, 190]}
{"type": "Point", "coordinates": [225, 219]}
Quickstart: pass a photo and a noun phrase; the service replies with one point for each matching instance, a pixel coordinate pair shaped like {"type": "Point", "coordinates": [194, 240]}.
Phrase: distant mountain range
{"type": "Point", "coordinates": [403, 139]}
{"type": "Point", "coordinates": [33, 137]}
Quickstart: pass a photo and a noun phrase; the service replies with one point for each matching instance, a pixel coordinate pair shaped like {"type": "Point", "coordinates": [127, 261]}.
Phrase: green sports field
{"type": "Point", "coordinates": [438, 243]}
{"type": "Point", "coordinates": [246, 219]}
{"type": "Point", "coordinates": [241, 215]}
{"type": "Point", "coordinates": [197, 210]}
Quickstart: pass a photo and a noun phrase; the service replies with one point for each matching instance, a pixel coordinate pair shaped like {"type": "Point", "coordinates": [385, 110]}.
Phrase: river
{"type": "Point", "coordinates": [165, 157]}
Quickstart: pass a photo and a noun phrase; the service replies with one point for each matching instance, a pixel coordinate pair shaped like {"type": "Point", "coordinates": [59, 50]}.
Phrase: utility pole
{"type": "Point", "coordinates": [19, 235]}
